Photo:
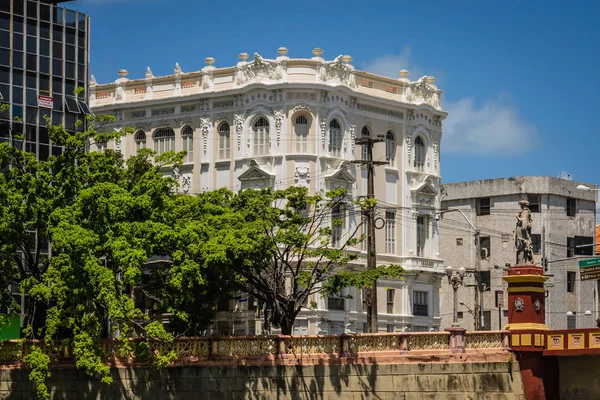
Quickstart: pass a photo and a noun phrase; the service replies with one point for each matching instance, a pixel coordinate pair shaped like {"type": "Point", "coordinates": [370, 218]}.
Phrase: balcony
{"type": "Point", "coordinates": [420, 310]}
{"type": "Point", "coordinates": [423, 263]}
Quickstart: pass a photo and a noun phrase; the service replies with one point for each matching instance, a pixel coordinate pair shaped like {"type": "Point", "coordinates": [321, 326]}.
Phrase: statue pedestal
{"type": "Point", "coordinates": [526, 297]}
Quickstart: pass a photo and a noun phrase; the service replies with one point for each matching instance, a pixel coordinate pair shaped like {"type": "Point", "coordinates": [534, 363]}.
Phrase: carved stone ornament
{"type": "Point", "coordinates": [186, 183]}
{"type": "Point", "coordinates": [256, 70]}
{"type": "Point", "coordinates": [183, 121]}
{"type": "Point", "coordinates": [301, 107]}
{"type": "Point", "coordinates": [408, 146]}
{"type": "Point", "coordinates": [163, 123]}
{"type": "Point", "coordinates": [337, 72]}
{"type": "Point", "coordinates": [177, 71]}
{"type": "Point", "coordinates": [204, 128]}
{"type": "Point", "coordinates": [119, 91]}
{"type": "Point", "coordinates": [143, 125]}
{"type": "Point", "coordinates": [278, 115]}
{"type": "Point", "coordinates": [302, 173]}
{"type": "Point", "coordinates": [149, 73]}
{"type": "Point", "coordinates": [435, 154]}
{"type": "Point", "coordinates": [352, 136]}
{"type": "Point", "coordinates": [238, 120]}
{"type": "Point", "coordinates": [537, 305]}
{"type": "Point", "coordinates": [519, 304]}
{"type": "Point", "coordinates": [323, 130]}
{"type": "Point", "coordinates": [423, 92]}
{"type": "Point", "coordinates": [92, 81]}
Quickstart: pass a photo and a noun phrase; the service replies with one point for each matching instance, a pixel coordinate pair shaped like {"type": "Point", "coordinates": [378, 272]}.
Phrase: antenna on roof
{"type": "Point", "coordinates": [564, 175]}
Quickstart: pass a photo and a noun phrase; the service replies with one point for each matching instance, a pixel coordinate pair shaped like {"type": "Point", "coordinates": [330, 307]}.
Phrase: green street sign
{"type": "Point", "coordinates": [589, 262]}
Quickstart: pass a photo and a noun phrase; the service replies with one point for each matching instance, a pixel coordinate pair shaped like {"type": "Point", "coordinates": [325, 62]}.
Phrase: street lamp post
{"type": "Point", "coordinates": [455, 281]}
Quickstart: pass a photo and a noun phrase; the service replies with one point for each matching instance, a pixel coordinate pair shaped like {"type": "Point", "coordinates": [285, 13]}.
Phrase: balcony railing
{"type": "Point", "coordinates": [256, 349]}
{"type": "Point", "coordinates": [420, 310]}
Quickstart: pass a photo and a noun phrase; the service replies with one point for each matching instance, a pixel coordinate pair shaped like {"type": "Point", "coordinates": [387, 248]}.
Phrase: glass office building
{"type": "Point", "coordinates": [44, 57]}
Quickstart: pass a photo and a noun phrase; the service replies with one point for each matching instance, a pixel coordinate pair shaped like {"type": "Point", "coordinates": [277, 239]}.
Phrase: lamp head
{"type": "Point", "coordinates": [461, 272]}
{"type": "Point", "coordinates": [449, 271]}
{"type": "Point", "coordinates": [569, 313]}
{"type": "Point", "coordinates": [584, 188]}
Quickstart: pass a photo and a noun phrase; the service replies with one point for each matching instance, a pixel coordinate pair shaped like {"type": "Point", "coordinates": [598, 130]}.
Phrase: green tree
{"type": "Point", "coordinates": [287, 247]}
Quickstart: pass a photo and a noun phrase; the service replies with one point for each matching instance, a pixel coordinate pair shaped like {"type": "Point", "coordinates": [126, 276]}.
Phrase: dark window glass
{"type": "Point", "coordinates": [81, 21]}
{"type": "Point", "coordinates": [17, 77]}
{"type": "Point", "coordinates": [483, 206]}
{"type": "Point", "coordinates": [571, 281]}
{"type": "Point", "coordinates": [56, 151]}
{"type": "Point", "coordinates": [485, 281]}
{"type": "Point", "coordinates": [536, 242]}
{"type": "Point", "coordinates": [44, 47]}
{"type": "Point", "coordinates": [582, 245]}
{"type": "Point", "coordinates": [18, 59]}
{"type": "Point", "coordinates": [43, 153]}
{"type": "Point", "coordinates": [84, 107]}
{"type": "Point", "coordinates": [44, 113]}
{"type": "Point", "coordinates": [44, 135]}
{"type": "Point", "coordinates": [81, 73]}
{"type": "Point", "coordinates": [70, 53]}
{"type": "Point", "coordinates": [32, 10]}
{"type": "Point", "coordinates": [571, 207]}
{"type": "Point", "coordinates": [57, 85]}
{"type": "Point", "coordinates": [69, 87]}
{"type": "Point", "coordinates": [81, 84]}
{"type": "Point", "coordinates": [81, 123]}
{"type": "Point", "coordinates": [70, 121]}
{"type": "Point", "coordinates": [31, 44]}
{"type": "Point", "coordinates": [72, 104]}
{"type": "Point", "coordinates": [57, 32]}
{"type": "Point", "coordinates": [4, 57]}
{"type": "Point", "coordinates": [44, 12]}
{"type": "Point", "coordinates": [17, 111]}
{"type": "Point", "coordinates": [17, 95]}
{"type": "Point", "coordinates": [31, 62]}
{"type": "Point", "coordinates": [57, 51]}
{"type": "Point", "coordinates": [44, 65]}
{"type": "Point", "coordinates": [31, 27]}
{"type": "Point", "coordinates": [31, 97]}
{"type": "Point", "coordinates": [18, 24]}
{"type": "Point", "coordinates": [44, 83]}
{"type": "Point", "coordinates": [81, 55]}
{"type": "Point", "coordinates": [70, 70]}
{"type": "Point", "coordinates": [31, 81]}
{"type": "Point", "coordinates": [81, 38]}
{"type": "Point", "coordinates": [570, 247]}
{"type": "Point", "coordinates": [71, 19]}
{"type": "Point", "coordinates": [18, 7]}
{"type": "Point", "coordinates": [30, 133]}
{"type": "Point", "coordinates": [58, 15]}
{"type": "Point", "coordinates": [70, 36]}
{"type": "Point", "coordinates": [57, 69]}
{"type": "Point", "coordinates": [4, 75]}
{"type": "Point", "coordinates": [30, 147]}
{"type": "Point", "coordinates": [58, 102]}
{"type": "Point", "coordinates": [535, 202]}
{"type": "Point", "coordinates": [17, 41]}
{"type": "Point", "coordinates": [57, 116]}
{"type": "Point", "coordinates": [5, 91]}
{"type": "Point", "coordinates": [572, 321]}
{"type": "Point", "coordinates": [4, 21]}
{"type": "Point", "coordinates": [45, 30]}
{"type": "Point", "coordinates": [5, 39]}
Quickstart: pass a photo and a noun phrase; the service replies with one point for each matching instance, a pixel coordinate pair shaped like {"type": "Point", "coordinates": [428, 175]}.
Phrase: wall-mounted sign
{"type": "Point", "coordinates": [45, 102]}
{"type": "Point", "coordinates": [499, 298]}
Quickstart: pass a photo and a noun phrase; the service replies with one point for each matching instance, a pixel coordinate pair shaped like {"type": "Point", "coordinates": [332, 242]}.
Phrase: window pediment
{"type": "Point", "coordinates": [340, 178]}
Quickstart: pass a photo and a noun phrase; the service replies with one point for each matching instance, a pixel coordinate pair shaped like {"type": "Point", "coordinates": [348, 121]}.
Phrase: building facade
{"type": "Point", "coordinates": [43, 58]}
{"type": "Point", "coordinates": [293, 121]}
{"type": "Point", "coordinates": [563, 225]}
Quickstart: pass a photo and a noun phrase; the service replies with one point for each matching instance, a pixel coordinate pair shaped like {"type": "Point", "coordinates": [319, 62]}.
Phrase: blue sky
{"type": "Point", "coordinates": [520, 78]}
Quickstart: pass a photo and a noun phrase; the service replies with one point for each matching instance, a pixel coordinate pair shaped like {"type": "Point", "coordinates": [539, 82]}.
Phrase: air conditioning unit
{"type": "Point", "coordinates": [485, 254]}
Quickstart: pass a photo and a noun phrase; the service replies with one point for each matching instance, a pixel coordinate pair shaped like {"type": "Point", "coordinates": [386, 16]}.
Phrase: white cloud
{"type": "Point", "coordinates": [494, 128]}
{"type": "Point", "coordinates": [390, 64]}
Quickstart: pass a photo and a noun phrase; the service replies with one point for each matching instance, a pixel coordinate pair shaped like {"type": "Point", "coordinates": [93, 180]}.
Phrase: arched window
{"type": "Point", "coordinates": [140, 140]}
{"type": "Point", "coordinates": [364, 149]}
{"type": "Point", "coordinates": [262, 145]}
{"type": "Point", "coordinates": [301, 129]}
{"type": "Point", "coordinates": [224, 146]}
{"type": "Point", "coordinates": [335, 138]}
{"type": "Point", "coordinates": [419, 154]}
{"type": "Point", "coordinates": [187, 134]}
{"type": "Point", "coordinates": [164, 140]}
{"type": "Point", "coordinates": [390, 147]}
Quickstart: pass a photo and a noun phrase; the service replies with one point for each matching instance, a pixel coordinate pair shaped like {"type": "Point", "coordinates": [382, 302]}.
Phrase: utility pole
{"type": "Point", "coordinates": [544, 261]}
{"type": "Point", "coordinates": [371, 290]}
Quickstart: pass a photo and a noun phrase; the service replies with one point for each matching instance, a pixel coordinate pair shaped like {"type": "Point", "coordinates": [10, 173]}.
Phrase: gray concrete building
{"type": "Point", "coordinates": [564, 221]}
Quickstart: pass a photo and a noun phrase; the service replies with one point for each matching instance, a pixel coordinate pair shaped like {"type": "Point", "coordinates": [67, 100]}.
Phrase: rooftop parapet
{"type": "Point", "coordinates": [316, 70]}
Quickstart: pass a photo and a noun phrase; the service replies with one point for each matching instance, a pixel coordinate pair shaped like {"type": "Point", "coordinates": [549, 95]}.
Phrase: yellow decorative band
{"type": "Point", "coordinates": [525, 325]}
{"type": "Point", "coordinates": [520, 289]}
{"type": "Point", "coordinates": [525, 278]}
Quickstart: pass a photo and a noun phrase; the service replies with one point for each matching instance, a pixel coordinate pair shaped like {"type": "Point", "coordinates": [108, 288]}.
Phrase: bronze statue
{"type": "Point", "coordinates": [523, 242]}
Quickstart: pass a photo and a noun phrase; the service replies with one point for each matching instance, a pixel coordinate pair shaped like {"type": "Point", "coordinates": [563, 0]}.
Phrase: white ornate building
{"type": "Point", "coordinates": [293, 121]}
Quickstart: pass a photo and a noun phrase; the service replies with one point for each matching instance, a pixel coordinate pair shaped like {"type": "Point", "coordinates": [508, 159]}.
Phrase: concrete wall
{"type": "Point", "coordinates": [499, 227]}
{"type": "Point", "coordinates": [579, 379]}
{"type": "Point", "coordinates": [425, 380]}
